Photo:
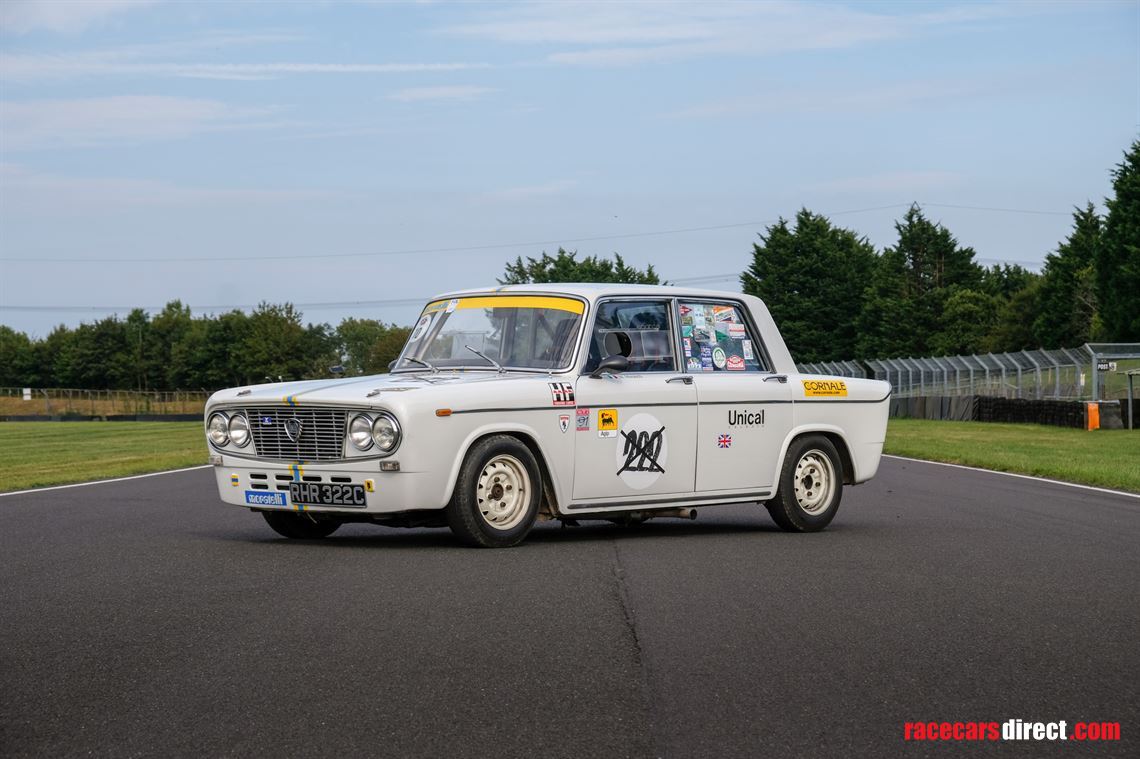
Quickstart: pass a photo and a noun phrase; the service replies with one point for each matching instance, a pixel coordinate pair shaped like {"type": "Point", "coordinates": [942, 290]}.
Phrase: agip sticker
{"type": "Point", "coordinates": [607, 422]}
{"type": "Point", "coordinates": [825, 388]}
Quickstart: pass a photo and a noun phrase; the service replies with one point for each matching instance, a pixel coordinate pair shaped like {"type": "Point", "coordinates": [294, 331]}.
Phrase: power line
{"type": "Point", "coordinates": [995, 210]}
{"type": "Point", "coordinates": [437, 251]}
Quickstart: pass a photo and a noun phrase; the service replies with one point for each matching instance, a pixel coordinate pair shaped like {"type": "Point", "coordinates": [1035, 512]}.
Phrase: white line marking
{"type": "Point", "coordinates": [1019, 476]}
{"type": "Point", "coordinates": [104, 482]}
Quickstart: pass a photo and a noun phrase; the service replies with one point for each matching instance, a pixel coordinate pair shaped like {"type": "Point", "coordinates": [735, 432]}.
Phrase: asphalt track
{"type": "Point", "coordinates": [145, 618]}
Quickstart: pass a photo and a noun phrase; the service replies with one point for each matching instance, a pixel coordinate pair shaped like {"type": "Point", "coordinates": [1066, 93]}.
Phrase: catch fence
{"type": "Point", "coordinates": [1094, 371]}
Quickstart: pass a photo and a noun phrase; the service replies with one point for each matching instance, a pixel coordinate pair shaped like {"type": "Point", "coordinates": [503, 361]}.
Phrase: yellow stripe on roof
{"type": "Point", "coordinates": [514, 301]}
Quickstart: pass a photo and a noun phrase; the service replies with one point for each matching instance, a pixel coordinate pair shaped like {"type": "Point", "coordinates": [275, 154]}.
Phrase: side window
{"type": "Point", "coordinates": [637, 329]}
{"type": "Point", "coordinates": [716, 338]}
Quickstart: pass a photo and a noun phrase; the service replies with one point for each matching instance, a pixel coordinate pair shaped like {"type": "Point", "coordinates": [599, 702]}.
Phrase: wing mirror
{"type": "Point", "coordinates": [613, 364]}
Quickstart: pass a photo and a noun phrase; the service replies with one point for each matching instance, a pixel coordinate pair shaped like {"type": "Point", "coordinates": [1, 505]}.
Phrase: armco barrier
{"type": "Point", "coordinates": [982, 408]}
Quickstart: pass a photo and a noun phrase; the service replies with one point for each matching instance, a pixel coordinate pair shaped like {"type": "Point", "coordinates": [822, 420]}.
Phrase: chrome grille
{"type": "Point", "coordinates": [321, 438]}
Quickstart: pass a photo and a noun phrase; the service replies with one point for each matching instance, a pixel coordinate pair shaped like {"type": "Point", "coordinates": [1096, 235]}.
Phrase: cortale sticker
{"type": "Point", "coordinates": [825, 388]}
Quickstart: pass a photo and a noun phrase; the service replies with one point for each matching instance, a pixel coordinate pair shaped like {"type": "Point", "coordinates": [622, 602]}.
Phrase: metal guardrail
{"type": "Point", "coordinates": [1095, 371]}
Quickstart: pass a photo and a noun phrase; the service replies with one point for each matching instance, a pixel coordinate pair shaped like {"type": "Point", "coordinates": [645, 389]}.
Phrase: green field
{"type": "Point", "coordinates": [1106, 458]}
{"type": "Point", "coordinates": [54, 453]}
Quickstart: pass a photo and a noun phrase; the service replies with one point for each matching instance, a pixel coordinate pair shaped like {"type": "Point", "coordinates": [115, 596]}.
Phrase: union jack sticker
{"type": "Point", "coordinates": [724, 441]}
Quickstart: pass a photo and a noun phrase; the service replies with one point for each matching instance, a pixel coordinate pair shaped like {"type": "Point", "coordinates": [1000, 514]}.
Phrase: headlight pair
{"type": "Point", "coordinates": [223, 430]}
{"type": "Point", "coordinates": [382, 432]}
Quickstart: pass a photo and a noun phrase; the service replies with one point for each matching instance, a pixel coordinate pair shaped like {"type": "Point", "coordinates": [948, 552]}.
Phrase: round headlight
{"type": "Point", "coordinates": [217, 429]}
{"type": "Point", "coordinates": [360, 432]}
{"type": "Point", "coordinates": [386, 433]}
{"type": "Point", "coordinates": [239, 430]}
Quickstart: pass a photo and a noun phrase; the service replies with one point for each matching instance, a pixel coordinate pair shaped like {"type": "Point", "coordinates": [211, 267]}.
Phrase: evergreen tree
{"type": "Point", "coordinates": [812, 279]}
{"type": "Point", "coordinates": [905, 302]}
{"type": "Point", "coordinates": [1118, 254]}
{"type": "Point", "coordinates": [1068, 287]}
{"type": "Point", "coordinates": [565, 267]}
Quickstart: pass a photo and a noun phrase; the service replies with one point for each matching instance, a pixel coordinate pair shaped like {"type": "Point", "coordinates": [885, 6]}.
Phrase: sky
{"type": "Point", "coordinates": [356, 158]}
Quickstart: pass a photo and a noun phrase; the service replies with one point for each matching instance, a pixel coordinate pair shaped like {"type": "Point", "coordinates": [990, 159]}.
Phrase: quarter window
{"type": "Point", "coordinates": [640, 330]}
{"type": "Point", "coordinates": [716, 338]}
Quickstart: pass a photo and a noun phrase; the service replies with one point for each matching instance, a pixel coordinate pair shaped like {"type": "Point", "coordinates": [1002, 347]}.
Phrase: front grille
{"type": "Point", "coordinates": [321, 437]}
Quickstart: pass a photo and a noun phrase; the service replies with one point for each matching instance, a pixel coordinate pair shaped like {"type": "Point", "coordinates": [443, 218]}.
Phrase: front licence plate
{"type": "Point", "coordinates": [327, 494]}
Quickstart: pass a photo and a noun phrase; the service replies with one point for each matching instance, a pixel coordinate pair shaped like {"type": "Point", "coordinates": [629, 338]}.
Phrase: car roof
{"type": "Point", "coordinates": [593, 290]}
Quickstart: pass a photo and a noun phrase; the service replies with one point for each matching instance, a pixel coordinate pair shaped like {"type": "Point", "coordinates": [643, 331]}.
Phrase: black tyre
{"type": "Point", "coordinates": [497, 494]}
{"type": "Point", "coordinates": [810, 487]}
{"type": "Point", "coordinates": [300, 526]}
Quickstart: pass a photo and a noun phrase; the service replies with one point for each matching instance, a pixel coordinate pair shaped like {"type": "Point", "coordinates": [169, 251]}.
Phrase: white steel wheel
{"type": "Point", "coordinates": [810, 485]}
{"type": "Point", "coordinates": [504, 492]}
{"type": "Point", "coordinates": [814, 480]}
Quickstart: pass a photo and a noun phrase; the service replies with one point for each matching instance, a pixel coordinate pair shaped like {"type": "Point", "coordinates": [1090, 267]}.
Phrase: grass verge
{"type": "Point", "coordinates": [1105, 458]}
{"type": "Point", "coordinates": [36, 454]}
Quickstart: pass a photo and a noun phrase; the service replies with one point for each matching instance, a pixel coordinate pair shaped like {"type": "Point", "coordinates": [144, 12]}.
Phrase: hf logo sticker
{"type": "Point", "coordinates": [562, 393]}
{"type": "Point", "coordinates": [642, 451]}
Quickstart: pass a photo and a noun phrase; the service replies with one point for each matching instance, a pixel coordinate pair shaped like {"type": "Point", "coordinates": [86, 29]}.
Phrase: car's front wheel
{"type": "Point", "coordinates": [497, 494]}
{"type": "Point", "coordinates": [811, 486]}
{"type": "Point", "coordinates": [300, 526]}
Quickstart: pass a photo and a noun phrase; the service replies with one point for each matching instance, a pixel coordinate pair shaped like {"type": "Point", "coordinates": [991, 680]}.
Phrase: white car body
{"type": "Point", "coordinates": [722, 435]}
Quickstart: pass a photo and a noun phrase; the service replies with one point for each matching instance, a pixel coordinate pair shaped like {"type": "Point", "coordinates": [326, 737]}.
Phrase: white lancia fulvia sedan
{"type": "Point", "coordinates": [534, 402]}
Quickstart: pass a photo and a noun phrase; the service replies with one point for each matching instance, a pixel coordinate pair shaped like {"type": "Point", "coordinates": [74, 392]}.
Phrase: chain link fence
{"type": "Point", "coordinates": [1094, 371]}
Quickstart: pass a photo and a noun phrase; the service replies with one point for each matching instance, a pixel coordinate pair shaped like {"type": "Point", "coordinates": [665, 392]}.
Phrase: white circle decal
{"type": "Point", "coordinates": [421, 327]}
{"type": "Point", "coordinates": [642, 451]}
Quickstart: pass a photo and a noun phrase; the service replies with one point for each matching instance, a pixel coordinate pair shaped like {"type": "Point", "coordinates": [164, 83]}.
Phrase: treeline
{"type": "Point", "coordinates": [175, 350]}
{"type": "Point", "coordinates": [836, 297]}
{"type": "Point", "coordinates": [833, 295]}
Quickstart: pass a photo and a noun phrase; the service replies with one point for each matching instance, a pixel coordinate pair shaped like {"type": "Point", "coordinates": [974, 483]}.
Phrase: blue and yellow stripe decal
{"type": "Point", "coordinates": [290, 400]}
{"type": "Point", "coordinates": [298, 472]}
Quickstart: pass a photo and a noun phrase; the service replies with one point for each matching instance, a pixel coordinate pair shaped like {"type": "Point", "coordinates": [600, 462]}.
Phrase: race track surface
{"type": "Point", "coordinates": [147, 618]}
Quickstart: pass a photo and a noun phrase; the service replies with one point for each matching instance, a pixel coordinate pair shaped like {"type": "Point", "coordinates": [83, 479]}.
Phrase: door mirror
{"type": "Point", "coordinates": [614, 364]}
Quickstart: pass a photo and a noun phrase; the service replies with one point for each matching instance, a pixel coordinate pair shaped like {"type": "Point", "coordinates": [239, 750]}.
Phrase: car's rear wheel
{"type": "Point", "coordinates": [497, 494]}
{"type": "Point", "coordinates": [300, 526]}
{"type": "Point", "coordinates": [810, 487]}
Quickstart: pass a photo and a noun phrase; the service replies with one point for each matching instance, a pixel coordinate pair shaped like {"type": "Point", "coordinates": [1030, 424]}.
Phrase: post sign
{"type": "Point", "coordinates": [1106, 366]}
{"type": "Point", "coordinates": [27, 393]}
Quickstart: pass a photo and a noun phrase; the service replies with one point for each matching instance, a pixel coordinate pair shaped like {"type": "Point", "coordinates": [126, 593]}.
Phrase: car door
{"type": "Point", "coordinates": [634, 431]}
{"type": "Point", "coordinates": [744, 410]}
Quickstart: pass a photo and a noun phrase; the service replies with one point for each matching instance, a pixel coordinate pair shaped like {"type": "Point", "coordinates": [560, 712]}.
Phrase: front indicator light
{"type": "Point", "coordinates": [218, 430]}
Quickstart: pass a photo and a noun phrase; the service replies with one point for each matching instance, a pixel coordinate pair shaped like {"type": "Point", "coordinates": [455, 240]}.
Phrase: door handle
{"type": "Point", "coordinates": [781, 378]}
{"type": "Point", "coordinates": [684, 379]}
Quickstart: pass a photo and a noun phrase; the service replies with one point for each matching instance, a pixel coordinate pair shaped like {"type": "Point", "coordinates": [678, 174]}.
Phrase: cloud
{"type": "Point", "coordinates": [610, 34]}
{"type": "Point", "coordinates": [36, 192]}
{"type": "Point", "coordinates": [906, 183]}
{"type": "Point", "coordinates": [457, 92]}
{"type": "Point", "coordinates": [530, 192]}
{"type": "Point", "coordinates": [40, 124]}
{"type": "Point", "coordinates": [24, 16]}
{"type": "Point", "coordinates": [26, 68]}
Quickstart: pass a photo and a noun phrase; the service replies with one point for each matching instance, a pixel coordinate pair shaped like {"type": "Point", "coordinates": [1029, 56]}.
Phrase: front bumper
{"type": "Point", "coordinates": [263, 485]}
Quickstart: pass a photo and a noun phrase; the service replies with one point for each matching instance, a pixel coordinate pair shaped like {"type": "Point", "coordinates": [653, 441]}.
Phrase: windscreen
{"type": "Point", "coordinates": [516, 332]}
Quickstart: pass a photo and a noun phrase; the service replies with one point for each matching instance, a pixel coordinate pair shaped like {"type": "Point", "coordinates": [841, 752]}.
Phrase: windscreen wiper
{"type": "Point", "coordinates": [487, 358]}
{"type": "Point", "coordinates": [421, 361]}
